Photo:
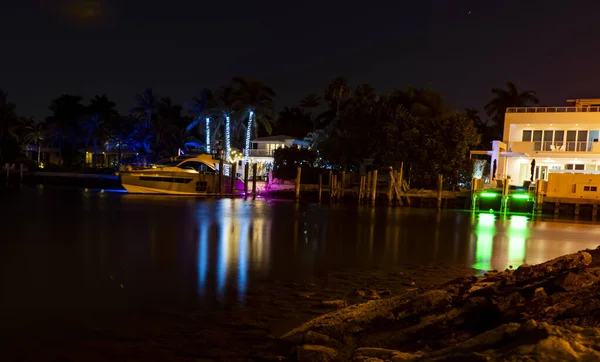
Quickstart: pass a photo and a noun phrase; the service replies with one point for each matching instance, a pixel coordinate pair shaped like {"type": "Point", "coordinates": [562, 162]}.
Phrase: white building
{"type": "Point", "coordinates": [559, 139]}
{"type": "Point", "coordinates": [263, 148]}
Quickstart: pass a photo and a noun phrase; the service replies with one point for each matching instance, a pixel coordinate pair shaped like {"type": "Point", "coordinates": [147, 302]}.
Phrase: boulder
{"type": "Point", "coordinates": [315, 338]}
{"type": "Point", "coordinates": [575, 281]}
{"type": "Point", "coordinates": [338, 303]}
{"type": "Point", "coordinates": [313, 353]}
{"type": "Point", "coordinates": [380, 353]}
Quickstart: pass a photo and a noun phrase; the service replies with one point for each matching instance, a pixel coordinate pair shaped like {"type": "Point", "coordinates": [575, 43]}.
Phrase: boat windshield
{"type": "Point", "coordinates": [166, 162]}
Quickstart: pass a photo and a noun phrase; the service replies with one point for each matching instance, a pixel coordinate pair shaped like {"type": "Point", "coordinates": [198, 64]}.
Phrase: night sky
{"type": "Point", "coordinates": [461, 48]}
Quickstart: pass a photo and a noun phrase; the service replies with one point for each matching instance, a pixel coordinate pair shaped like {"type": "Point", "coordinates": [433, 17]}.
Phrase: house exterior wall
{"type": "Point", "coordinates": [580, 186]}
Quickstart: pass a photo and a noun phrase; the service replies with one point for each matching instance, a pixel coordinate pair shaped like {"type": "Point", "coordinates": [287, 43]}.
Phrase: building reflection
{"type": "Point", "coordinates": [500, 242]}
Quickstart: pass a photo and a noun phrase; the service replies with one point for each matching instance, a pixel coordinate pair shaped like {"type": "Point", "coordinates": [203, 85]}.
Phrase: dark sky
{"type": "Point", "coordinates": [177, 47]}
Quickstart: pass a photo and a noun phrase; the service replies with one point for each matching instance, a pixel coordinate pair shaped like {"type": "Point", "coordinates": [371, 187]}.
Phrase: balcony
{"type": "Point", "coordinates": [261, 153]}
{"type": "Point", "coordinates": [555, 146]}
{"type": "Point", "coordinates": [551, 109]}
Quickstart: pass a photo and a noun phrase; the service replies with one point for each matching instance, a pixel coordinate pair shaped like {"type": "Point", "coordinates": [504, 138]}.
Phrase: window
{"type": "Point", "coordinates": [196, 166]}
{"type": "Point", "coordinates": [548, 135]}
{"type": "Point", "coordinates": [571, 140]}
{"type": "Point", "coordinates": [578, 167]}
{"type": "Point", "coordinates": [176, 180]}
{"type": "Point", "coordinates": [559, 138]}
{"type": "Point", "coordinates": [190, 165]}
{"type": "Point", "coordinates": [537, 138]}
{"type": "Point", "coordinates": [590, 188]}
{"type": "Point", "coordinates": [582, 140]}
{"type": "Point", "coordinates": [526, 136]}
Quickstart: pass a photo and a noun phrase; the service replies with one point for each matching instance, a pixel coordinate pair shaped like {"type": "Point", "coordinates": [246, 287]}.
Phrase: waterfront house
{"type": "Point", "coordinates": [261, 151]}
{"type": "Point", "coordinates": [547, 140]}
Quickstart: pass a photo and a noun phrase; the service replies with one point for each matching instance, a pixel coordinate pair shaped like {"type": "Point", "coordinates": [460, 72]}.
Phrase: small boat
{"type": "Point", "coordinates": [185, 175]}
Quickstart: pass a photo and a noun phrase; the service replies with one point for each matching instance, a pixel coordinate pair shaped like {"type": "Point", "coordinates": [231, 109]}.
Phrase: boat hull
{"type": "Point", "coordinates": [188, 184]}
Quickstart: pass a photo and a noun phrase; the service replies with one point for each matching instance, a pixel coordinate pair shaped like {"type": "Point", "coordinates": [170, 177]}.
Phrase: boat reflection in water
{"type": "Point", "coordinates": [240, 237]}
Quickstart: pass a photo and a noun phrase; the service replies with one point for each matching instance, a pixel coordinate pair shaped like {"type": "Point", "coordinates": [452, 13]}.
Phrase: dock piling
{"type": "Point", "coordinates": [439, 191]}
{"type": "Point", "coordinates": [330, 180]}
{"type": "Point", "coordinates": [221, 179]}
{"type": "Point", "coordinates": [343, 184]}
{"type": "Point", "coordinates": [374, 188]}
{"type": "Point", "coordinates": [232, 178]}
{"type": "Point", "coordinates": [246, 172]}
{"type": "Point", "coordinates": [320, 186]}
{"type": "Point", "coordinates": [298, 175]}
{"type": "Point", "coordinates": [254, 171]}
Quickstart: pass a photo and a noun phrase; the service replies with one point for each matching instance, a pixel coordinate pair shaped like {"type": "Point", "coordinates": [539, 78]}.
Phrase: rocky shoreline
{"type": "Point", "coordinates": [546, 312]}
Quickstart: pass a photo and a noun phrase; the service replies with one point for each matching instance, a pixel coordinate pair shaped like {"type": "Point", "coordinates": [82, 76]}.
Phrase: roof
{"type": "Point", "coordinates": [280, 138]}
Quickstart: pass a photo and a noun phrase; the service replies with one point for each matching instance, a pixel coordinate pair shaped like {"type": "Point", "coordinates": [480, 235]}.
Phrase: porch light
{"type": "Point", "coordinates": [520, 196]}
{"type": "Point", "coordinates": [488, 195]}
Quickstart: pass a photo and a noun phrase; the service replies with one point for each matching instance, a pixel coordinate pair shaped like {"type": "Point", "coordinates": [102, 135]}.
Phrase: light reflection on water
{"type": "Point", "coordinates": [179, 251]}
{"type": "Point", "coordinates": [502, 241]}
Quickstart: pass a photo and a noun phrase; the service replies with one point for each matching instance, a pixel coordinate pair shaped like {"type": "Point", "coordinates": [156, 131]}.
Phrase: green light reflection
{"type": "Point", "coordinates": [517, 232]}
{"type": "Point", "coordinates": [517, 235]}
{"type": "Point", "coordinates": [484, 233]}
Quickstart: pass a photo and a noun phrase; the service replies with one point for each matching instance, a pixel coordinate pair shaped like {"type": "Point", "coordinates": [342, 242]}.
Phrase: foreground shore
{"type": "Point", "coordinates": [248, 332]}
{"type": "Point", "coordinates": [546, 312]}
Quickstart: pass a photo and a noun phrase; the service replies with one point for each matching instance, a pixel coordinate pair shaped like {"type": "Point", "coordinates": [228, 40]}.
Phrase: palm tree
{"type": "Point", "coordinates": [202, 109]}
{"type": "Point", "coordinates": [145, 108]}
{"type": "Point", "coordinates": [226, 105]}
{"type": "Point", "coordinates": [63, 124]}
{"type": "Point", "coordinates": [336, 93]}
{"type": "Point", "coordinates": [310, 103]}
{"type": "Point", "coordinates": [421, 102]}
{"type": "Point", "coordinates": [256, 99]}
{"type": "Point", "coordinates": [8, 120]}
{"type": "Point", "coordinates": [58, 134]}
{"type": "Point", "coordinates": [509, 97]}
{"type": "Point", "coordinates": [34, 133]}
{"type": "Point", "coordinates": [145, 104]}
{"type": "Point", "coordinates": [335, 96]}
{"type": "Point", "coordinates": [102, 111]}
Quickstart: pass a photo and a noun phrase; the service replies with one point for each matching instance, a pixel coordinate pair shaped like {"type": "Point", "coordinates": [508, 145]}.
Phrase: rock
{"type": "Point", "coordinates": [380, 353]}
{"type": "Point", "coordinates": [405, 357]}
{"type": "Point", "coordinates": [337, 303]}
{"type": "Point", "coordinates": [570, 262]}
{"type": "Point", "coordinates": [315, 338]}
{"type": "Point", "coordinates": [572, 281]}
{"type": "Point", "coordinates": [372, 295]}
{"type": "Point", "coordinates": [539, 293]}
{"type": "Point", "coordinates": [312, 353]}
{"type": "Point", "coordinates": [481, 285]}
{"type": "Point", "coordinates": [523, 270]}
{"type": "Point", "coordinates": [384, 354]}
{"type": "Point", "coordinates": [354, 318]}
{"type": "Point", "coordinates": [360, 293]}
{"type": "Point", "coordinates": [384, 293]}
{"type": "Point", "coordinates": [367, 359]}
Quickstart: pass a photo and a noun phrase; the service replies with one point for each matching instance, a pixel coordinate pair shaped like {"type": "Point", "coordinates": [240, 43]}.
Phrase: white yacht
{"type": "Point", "coordinates": [192, 175]}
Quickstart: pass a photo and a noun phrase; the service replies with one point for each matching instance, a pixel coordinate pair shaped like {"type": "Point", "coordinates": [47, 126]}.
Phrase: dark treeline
{"type": "Point", "coordinates": [344, 126]}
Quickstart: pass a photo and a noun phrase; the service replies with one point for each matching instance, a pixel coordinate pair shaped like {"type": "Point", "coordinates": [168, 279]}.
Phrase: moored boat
{"type": "Point", "coordinates": [193, 175]}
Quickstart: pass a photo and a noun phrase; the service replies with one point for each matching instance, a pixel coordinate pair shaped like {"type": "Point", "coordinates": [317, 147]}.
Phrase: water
{"type": "Point", "coordinates": [69, 252]}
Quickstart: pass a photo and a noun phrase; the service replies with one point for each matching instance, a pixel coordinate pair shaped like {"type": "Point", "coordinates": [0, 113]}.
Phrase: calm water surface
{"type": "Point", "coordinates": [66, 250]}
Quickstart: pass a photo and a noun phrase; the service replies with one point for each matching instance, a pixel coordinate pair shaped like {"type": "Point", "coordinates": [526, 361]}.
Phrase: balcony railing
{"type": "Point", "coordinates": [554, 146]}
{"type": "Point", "coordinates": [261, 153]}
{"type": "Point", "coordinates": [551, 109]}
